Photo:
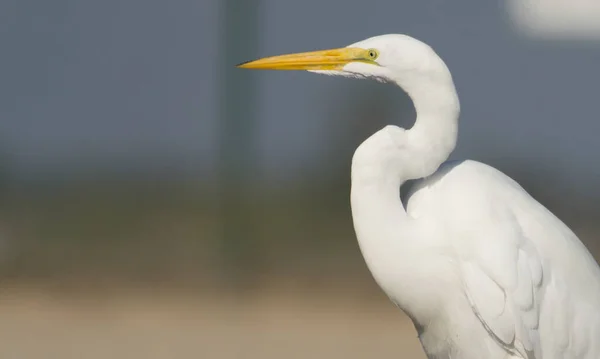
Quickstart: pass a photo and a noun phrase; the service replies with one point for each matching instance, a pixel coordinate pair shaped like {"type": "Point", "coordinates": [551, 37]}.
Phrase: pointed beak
{"type": "Point", "coordinates": [333, 59]}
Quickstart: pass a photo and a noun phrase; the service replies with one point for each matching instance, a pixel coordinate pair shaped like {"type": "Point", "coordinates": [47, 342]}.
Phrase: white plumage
{"type": "Point", "coordinates": [483, 270]}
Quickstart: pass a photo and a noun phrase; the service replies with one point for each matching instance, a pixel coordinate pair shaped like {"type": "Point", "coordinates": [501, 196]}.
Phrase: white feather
{"type": "Point", "coordinates": [482, 268]}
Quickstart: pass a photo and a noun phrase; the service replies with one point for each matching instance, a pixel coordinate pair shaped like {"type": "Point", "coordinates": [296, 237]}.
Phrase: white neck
{"type": "Point", "coordinates": [387, 236]}
{"type": "Point", "coordinates": [433, 136]}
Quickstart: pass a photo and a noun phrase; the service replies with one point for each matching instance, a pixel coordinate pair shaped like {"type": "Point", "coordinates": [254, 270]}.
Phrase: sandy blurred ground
{"type": "Point", "coordinates": [165, 324]}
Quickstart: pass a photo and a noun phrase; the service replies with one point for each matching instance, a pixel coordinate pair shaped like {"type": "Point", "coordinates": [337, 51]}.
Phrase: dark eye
{"type": "Point", "coordinates": [373, 54]}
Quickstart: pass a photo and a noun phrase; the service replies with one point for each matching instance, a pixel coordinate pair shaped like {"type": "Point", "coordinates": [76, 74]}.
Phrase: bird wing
{"type": "Point", "coordinates": [502, 279]}
{"type": "Point", "coordinates": [500, 269]}
{"type": "Point", "coordinates": [520, 300]}
{"type": "Point", "coordinates": [529, 280]}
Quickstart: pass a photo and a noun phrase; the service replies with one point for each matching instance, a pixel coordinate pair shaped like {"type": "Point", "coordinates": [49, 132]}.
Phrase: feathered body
{"type": "Point", "coordinates": [481, 267]}
{"type": "Point", "coordinates": [489, 269]}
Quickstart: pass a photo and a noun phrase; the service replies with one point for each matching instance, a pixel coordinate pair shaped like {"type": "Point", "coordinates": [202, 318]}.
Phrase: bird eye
{"type": "Point", "coordinates": [373, 54]}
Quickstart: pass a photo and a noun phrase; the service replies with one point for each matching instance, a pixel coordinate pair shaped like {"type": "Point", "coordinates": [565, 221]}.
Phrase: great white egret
{"type": "Point", "coordinates": [483, 270]}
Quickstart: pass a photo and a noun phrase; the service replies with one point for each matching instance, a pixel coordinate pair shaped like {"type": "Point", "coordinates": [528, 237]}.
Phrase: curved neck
{"type": "Point", "coordinates": [389, 239]}
{"type": "Point", "coordinates": [433, 137]}
{"type": "Point", "coordinates": [419, 151]}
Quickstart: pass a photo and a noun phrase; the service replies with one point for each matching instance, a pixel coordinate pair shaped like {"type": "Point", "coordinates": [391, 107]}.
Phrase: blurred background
{"type": "Point", "coordinates": [157, 202]}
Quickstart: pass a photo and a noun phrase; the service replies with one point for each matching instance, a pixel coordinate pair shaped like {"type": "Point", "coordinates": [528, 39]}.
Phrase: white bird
{"type": "Point", "coordinates": [483, 270]}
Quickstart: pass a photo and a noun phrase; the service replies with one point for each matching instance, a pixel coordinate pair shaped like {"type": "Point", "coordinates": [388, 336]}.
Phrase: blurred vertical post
{"type": "Point", "coordinates": [238, 140]}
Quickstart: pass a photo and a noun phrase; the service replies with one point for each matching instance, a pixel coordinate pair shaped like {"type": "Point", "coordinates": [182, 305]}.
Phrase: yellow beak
{"type": "Point", "coordinates": [334, 59]}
